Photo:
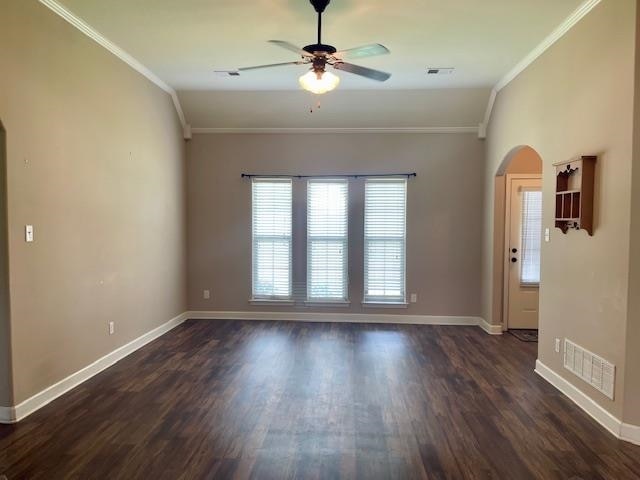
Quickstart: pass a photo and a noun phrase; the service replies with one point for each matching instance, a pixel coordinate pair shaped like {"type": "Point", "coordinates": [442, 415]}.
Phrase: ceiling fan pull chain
{"type": "Point", "coordinates": [318, 106]}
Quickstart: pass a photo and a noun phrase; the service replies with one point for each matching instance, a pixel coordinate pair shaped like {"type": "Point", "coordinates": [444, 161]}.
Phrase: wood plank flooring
{"type": "Point", "coordinates": [276, 400]}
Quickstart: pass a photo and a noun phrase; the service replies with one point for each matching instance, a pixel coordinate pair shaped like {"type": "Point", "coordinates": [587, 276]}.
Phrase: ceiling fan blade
{"type": "Point", "coordinates": [291, 47]}
{"type": "Point", "coordinates": [271, 65]}
{"type": "Point", "coordinates": [362, 71]}
{"type": "Point", "coordinates": [363, 51]}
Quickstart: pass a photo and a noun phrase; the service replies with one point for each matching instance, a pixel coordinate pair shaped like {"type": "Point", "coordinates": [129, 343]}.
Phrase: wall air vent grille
{"type": "Point", "coordinates": [440, 70]}
{"type": "Point", "coordinates": [591, 368]}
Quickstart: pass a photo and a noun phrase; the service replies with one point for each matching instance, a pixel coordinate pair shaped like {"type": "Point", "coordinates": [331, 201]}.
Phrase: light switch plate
{"type": "Point", "coordinates": [414, 297]}
{"type": "Point", "coordinates": [206, 294]}
{"type": "Point", "coordinates": [28, 233]}
{"type": "Point", "coordinates": [547, 235]}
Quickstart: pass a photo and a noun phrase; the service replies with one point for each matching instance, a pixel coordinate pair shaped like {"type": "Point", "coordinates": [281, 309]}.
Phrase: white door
{"type": "Point", "coordinates": [523, 236]}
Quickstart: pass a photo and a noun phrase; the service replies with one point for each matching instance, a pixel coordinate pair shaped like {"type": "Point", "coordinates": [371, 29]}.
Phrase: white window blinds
{"type": "Point", "coordinates": [327, 242]}
{"type": "Point", "coordinates": [530, 241]}
{"type": "Point", "coordinates": [272, 205]}
{"type": "Point", "coordinates": [384, 240]}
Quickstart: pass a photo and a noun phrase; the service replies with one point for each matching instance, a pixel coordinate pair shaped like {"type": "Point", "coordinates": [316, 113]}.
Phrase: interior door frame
{"type": "Point", "coordinates": [509, 177]}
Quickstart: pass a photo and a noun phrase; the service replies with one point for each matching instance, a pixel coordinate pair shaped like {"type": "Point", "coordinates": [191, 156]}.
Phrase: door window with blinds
{"type": "Point", "coordinates": [327, 240]}
{"type": "Point", "coordinates": [384, 240]}
{"type": "Point", "coordinates": [271, 230]}
{"type": "Point", "coordinates": [530, 237]}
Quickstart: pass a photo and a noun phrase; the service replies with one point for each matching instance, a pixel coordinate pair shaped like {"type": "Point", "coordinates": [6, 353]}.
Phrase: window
{"type": "Point", "coordinates": [327, 247]}
{"type": "Point", "coordinates": [272, 205]}
{"type": "Point", "coordinates": [384, 240]}
{"type": "Point", "coordinates": [531, 226]}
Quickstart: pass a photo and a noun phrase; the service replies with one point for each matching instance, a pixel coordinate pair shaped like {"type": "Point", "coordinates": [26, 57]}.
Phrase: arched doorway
{"type": "Point", "coordinates": [517, 239]}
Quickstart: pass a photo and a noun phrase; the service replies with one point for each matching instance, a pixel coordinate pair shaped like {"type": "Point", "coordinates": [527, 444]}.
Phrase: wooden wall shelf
{"type": "Point", "coordinates": [575, 182]}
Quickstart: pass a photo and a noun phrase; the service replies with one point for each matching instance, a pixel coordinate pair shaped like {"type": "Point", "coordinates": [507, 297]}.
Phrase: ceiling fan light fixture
{"type": "Point", "coordinates": [319, 82]}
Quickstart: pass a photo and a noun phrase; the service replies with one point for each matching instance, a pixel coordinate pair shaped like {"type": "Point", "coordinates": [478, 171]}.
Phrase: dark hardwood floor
{"type": "Point", "coordinates": [231, 399]}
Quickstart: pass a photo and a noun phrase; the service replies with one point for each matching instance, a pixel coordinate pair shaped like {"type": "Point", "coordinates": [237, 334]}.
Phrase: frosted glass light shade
{"type": "Point", "coordinates": [327, 82]}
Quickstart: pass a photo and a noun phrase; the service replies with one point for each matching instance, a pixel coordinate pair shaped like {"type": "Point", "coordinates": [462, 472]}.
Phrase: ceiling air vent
{"type": "Point", "coordinates": [440, 70]}
{"type": "Point", "coordinates": [227, 73]}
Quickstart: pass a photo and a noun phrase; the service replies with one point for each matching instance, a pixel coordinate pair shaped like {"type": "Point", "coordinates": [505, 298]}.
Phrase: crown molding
{"type": "Point", "coordinates": [487, 114]}
{"type": "Point", "coordinates": [560, 31]}
{"type": "Point", "coordinates": [481, 130]}
{"type": "Point", "coordinates": [284, 130]}
{"type": "Point", "coordinates": [101, 40]}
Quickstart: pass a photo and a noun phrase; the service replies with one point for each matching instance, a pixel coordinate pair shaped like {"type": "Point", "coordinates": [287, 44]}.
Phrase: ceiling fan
{"type": "Point", "coordinates": [318, 80]}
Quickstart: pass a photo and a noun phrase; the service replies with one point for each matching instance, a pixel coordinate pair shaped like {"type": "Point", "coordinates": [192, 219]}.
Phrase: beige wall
{"type": "Point", "coordinates": [574, 100]}
{"type": "Point", "coordinates": [632, 381]}
{"type": "Point", "coordinates": [443, 225]}
{"type": "Point", "coordinates": [96, 164]}
{"type": "Point", "coordinates": [435, 107]}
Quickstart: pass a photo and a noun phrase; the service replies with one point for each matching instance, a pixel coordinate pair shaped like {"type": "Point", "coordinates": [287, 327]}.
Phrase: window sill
{"type": "Point", "coordinates": [327, 303]}
{"type": "Point", "coordinates": [267, 301]}
{"type": "Point", "coordinates": [385, 305]}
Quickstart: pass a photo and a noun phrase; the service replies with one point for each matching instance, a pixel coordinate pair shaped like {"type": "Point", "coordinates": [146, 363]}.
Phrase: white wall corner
{"type": "Point", "coordinates": [490, 328]}
{"type": "Point", "coordinates": [46, 396]}
{"type": "Point", "coordinates": [488, 111]}
{"type": "Point", "coordinates": [482, 131]}
{"type": "Point", "coordinates": [630, 433]}
{"type": "Point", "coordinates": [582, 400]}
{"type": "Point", "coordinates": [7, 415]}
{"type": "Point", "coordinates": [187, 133]}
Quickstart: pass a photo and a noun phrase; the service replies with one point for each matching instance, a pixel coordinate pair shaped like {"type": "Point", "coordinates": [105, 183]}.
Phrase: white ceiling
{"type": "Point", "coordinates": [184, 41]}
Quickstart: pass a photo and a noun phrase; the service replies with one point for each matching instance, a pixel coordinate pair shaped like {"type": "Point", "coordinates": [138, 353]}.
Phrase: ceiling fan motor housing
{"type": "Point", "coordinates": [320, 48]}
{"type": "Point", "coordinates": [319, 65]}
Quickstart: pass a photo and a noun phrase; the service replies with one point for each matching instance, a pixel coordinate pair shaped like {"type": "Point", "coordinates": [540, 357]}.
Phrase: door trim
{"type": "Point", "coordinates": [509, 177]}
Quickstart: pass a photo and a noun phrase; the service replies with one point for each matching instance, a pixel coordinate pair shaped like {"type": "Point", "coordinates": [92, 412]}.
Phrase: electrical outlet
{"type": "Point", "coordinates": [28, 233]}
{"type": "Point", "coordinates": [206, 294]}
{"type": "Point", "coordinates": [414, 297]}
{"type": "Point", "coordinates": [112, 328]}
{"type": "Point", "coordinates": [557, 345]}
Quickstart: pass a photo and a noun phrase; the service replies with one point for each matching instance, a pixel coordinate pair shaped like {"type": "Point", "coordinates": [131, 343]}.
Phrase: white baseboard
{"type": "Point", "coordinates": [630, 433]}
{"type": "Point", "coordinates": [39, 400]}
{"type": "Point", "coordinates": [338, 317]}
{"type": "Point", "coordinates": [489, 328]}
{"type": "Point", "coordinates": [7, 415]}
{"type": "Point", "coordinates": [623, 431]}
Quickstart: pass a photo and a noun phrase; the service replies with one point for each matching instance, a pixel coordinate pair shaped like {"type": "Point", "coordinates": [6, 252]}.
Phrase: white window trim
{"type": "Point", "coordinates": [328, 301]}
{"type": "Point", "coordinates": [374, 304]}
{"type": "Point", "coordinates": [255, 299]}
{"type": "Point", "coordinates": [378, 302]}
